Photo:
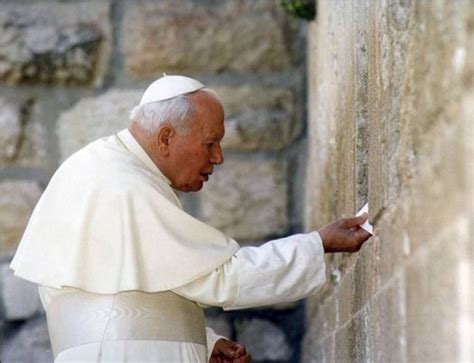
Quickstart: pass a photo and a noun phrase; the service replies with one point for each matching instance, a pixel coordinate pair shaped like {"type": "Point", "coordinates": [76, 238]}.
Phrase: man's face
{"type": "Point", "coordinates": [194, 154]}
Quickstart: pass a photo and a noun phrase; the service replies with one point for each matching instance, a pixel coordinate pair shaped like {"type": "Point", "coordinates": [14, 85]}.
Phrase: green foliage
{"type": "Point", "coordinates": [305, 9]}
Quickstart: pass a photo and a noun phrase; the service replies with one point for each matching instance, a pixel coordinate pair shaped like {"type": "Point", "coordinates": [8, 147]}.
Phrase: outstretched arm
{"type": "Point", "coordinates": [281, 270]}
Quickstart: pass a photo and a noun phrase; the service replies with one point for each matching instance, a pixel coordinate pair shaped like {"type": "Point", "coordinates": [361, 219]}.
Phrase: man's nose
{"type": "Point", "coordinates": [217, 156]}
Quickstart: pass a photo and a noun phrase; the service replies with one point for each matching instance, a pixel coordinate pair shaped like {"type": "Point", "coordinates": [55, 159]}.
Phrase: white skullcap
{"type": "Point", "coordinates": [168, 87]}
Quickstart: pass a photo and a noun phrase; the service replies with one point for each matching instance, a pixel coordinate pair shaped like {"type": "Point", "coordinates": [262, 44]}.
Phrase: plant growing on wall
{"type": "Point", "coordinates": [305, 9]}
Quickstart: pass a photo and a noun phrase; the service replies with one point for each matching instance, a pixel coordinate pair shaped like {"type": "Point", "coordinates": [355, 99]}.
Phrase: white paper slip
{"type": "Point", "coordinates": [366, 225]}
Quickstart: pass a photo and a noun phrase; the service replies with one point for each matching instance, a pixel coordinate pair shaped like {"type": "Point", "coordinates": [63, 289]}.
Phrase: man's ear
{"type": "Point", "coordinates": [163, 139]}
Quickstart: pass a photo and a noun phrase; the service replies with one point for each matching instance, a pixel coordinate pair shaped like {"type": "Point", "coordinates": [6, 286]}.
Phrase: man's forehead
{"type": "Point", "coordinates": [211, 127]}
{"type": "Point", "coordinates": [208, 127]}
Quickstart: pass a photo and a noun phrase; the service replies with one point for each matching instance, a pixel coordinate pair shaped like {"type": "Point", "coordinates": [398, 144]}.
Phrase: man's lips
{"type": "Point", "coordinates": [206, 176]}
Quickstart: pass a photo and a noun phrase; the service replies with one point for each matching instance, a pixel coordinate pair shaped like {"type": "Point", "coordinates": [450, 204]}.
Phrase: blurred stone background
{"type": "Point", "coordinates": [70, 72]}
{"type": "Point", "coordinates": [384, 91]}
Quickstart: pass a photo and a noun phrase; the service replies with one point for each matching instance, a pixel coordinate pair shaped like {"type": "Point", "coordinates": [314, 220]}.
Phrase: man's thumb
{"type": "Point", "coordinates": [356, 221]}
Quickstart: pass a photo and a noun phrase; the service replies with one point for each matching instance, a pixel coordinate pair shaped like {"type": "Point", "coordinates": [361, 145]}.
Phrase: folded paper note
{"type": "Point", "coordinates": [366, 225]}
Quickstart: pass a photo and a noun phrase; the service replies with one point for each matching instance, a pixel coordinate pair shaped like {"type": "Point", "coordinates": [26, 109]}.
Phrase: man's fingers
{"type": "Point", "coordinates": [355, 221]}
{"type": "Point", "coordinates": [362, 235]}
{"type": "Point", "coordinates": [240, 350]}
{"type": "Point", "coordinates": [244, 359]}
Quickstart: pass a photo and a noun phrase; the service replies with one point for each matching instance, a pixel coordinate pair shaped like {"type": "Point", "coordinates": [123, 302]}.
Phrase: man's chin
{"type": "Point", "coordinates": [198, 188]}
{"type": "Point", "coordinates": [193, 188]}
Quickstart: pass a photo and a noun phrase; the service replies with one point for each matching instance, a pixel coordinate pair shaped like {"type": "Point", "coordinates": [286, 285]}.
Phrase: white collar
{"type": "Point", "coordinates": [132, 145]}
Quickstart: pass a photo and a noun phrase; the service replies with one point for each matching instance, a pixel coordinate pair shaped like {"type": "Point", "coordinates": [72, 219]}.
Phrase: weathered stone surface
{"type": "Point", "coordinates": [366, 275]}
{"type": "Point", "coordinates": [337, 112]}
{"type": "Point", "coordinates": [17, 199]}
{"type": "Point", "coordinates": [389, 257]}
{"type": "Point", "coordinates": [404, 297]}
{"type": "Point", "coordinates": [263, 340]}
{"type": "Point", "coordinates": [169, 36]}
{"type": "Point", "coordinates": [20, 299]}
{"type": "Point", "coordinates": [344, 294]}
{"type": "Point", "coordinates": [443, 280]}
{"type": "Point", "coordinates": [23, 139]}
{"type": "Point", "coordinates": [93, 118]}
{"type": "Point", "coordinates": [54, 42]}
{"type": "Point", "coordinates": [30, 344]}
{"type": "Point", "coordinates": [350, 341]}
{"type": "Point", "coordinates": [312, 352]}
{"type": "Point", "coordinates": [247, 199]}
{"type": "Point", "coordinates": [433, 161]}
{"type": "Point", "coordinates": [385, 320]}
{"type": "Point", "coordinates": [10, 124]}
{"type": "Point", "coordinates": [258, 117]}
{"type": "Point", "coordinates": [388, 36]}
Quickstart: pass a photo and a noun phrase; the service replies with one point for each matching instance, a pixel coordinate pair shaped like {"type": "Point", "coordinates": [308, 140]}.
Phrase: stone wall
{"type": "Point", "coordinates": [70, 71]}
{"type": "Point", "coordinates": [391, 101]}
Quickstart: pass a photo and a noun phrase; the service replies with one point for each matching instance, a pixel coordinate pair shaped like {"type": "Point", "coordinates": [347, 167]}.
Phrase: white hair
{"type": "Point", "coordinates": [176, 111]}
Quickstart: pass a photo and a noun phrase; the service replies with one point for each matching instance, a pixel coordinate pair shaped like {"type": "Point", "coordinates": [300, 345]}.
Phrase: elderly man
{"type": "Point", "coordinates": [123, 271]}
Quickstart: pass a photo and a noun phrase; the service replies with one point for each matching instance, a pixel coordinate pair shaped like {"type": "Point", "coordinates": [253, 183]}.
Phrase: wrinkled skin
{"type": "Point", "coordinates": [344, 235]}
{"type": "Point", "coordinates": [195, 153]}
{"type": "Point", "coordinates": [187, 158]}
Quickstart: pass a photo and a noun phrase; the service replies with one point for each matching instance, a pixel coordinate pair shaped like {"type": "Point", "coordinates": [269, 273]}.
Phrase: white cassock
{"type": "Point", "coordinates": [124, 271]}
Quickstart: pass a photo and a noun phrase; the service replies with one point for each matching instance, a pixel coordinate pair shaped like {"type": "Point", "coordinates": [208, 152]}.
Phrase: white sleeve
{"type": "Point", "coordinates": [282, 270]}
{"type": "Point", "coordinates": [212, 339]}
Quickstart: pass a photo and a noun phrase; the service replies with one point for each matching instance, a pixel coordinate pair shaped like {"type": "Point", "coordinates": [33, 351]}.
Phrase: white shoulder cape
{"type": "Point", "coordinates": [109, 221]}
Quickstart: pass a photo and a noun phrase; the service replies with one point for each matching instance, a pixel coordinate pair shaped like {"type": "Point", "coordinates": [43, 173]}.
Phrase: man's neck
{"type": "Point", "coordinates": [147, 143]}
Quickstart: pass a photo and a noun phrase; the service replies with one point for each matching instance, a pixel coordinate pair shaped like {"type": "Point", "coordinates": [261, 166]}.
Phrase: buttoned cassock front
{"type": "Point", "coordinates": [109, 238]}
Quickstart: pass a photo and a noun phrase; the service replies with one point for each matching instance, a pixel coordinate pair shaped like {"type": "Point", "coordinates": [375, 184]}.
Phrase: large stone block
{"type": "Point", "coordinates": [20, 299]}
{"type": "Point", "coordinates": [366, 275]}
{"type": "Point", "coordinates": [263, 340]}
{"type": "Point", "coordinates": [388, 39]}
{"type": "Point", "coordinates": [391, 244]}
{"type": "Point", "coordinates": [328, 313]}
{"type": "Point", "coordinates": [338, 131]}
{"type": "Point", "coordinates": [329, 349]}
{"type": "Point", "coordinates": [17, 199]}
{"type": "Point", "coordinates": [320, 326]}
{"type": "Point", "coordinates": [433, 160]}
{"type": "Point", "coordinates": [23, 140]}
{"type": "Point", "coordinates": [350, 340]}
{"type": "Point", "coordinates": [191, 36]}
{"type": "Point", "coordinates": [258, 117]}
{"type": "Point", "coordinates": [409, 297]}
{"type": "Point", "coordinates": [54, 41]}
{"type": "Point", "coordinates": [385, 317]}
{"type": "Point", "coordinates": [438, 293]}
{"type": "Point", "coordinates": [247, 199]}
{"type": "Point", "coordinates": [344, 294]}
{"type": "Point", "coordinates": [411, 98]}
{"type": "Point", "coordinates": [93, 118]}
{"type": "Point", "coordinates": [440, 188]}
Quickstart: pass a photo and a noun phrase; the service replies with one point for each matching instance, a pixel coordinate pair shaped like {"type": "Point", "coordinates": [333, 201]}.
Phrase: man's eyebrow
{"type": "Point", "coordinates": [214, 136]}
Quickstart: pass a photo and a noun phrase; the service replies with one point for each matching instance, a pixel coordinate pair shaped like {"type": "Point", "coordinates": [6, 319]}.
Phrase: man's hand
{"type": "Point", "coordinates": [227, 351]}
{"type": "Point", "coordinates": [344, 235]}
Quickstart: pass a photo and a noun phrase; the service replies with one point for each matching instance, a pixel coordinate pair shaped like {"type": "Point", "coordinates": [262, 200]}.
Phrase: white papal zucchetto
{"type": "Point", "coordinates": [168, 87]}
